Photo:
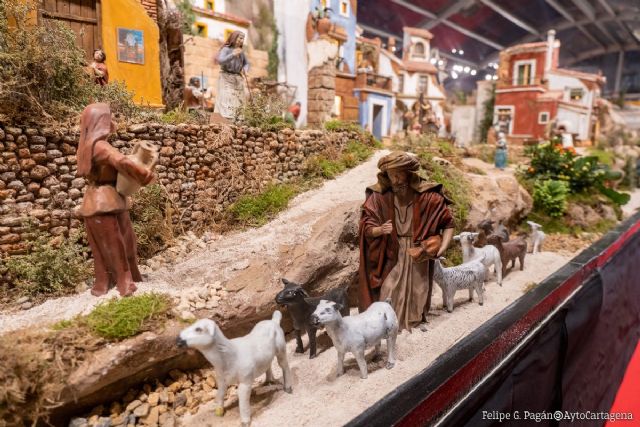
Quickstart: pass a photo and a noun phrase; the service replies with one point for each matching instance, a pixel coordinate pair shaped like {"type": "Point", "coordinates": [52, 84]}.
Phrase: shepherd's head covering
{"type": "Point", "coordinates": [399, 160]}
{"type": "Point", "coordinates": [95, 125]}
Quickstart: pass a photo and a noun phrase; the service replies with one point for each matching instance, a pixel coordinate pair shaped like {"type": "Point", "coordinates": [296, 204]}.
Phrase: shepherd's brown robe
{"type": "Point", "coordinates": [379, 255]}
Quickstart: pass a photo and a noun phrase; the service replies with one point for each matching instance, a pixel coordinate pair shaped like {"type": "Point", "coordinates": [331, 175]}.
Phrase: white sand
{"type": "Point", "coordinates": [321, 399]}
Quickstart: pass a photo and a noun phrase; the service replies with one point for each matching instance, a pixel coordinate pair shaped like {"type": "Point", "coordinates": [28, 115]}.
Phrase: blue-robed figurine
{"type": "Point", "coordinates": [500, 158]}
{"type": "Point", "coordinates": [233, 64]}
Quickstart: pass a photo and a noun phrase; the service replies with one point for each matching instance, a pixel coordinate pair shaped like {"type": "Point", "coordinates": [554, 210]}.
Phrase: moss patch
{"type": "Point", "coordinates": [258, 209]}
{"type": "Point", "coordinates": [125, 317]}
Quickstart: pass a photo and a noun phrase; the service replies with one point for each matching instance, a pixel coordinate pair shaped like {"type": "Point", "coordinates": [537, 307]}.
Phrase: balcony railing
{"type": "Point", "coordinates": [365, 79]}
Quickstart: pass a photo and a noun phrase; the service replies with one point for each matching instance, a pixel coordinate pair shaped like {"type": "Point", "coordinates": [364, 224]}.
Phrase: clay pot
{"type": "Point", "coordinates": [145, 154]}
{"type": "Point", "coordinates": [323, 26]}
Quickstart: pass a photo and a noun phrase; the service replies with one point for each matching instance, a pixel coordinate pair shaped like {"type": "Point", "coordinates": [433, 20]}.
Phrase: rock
{"type": "Point", "coordinates": [167, 420]}
{"type": "Point", "coordinates": [133, 405]}
{"type": "Point", "coordinates": [26, 306]}
{"type": "Point", "coordinates": [200, 305]}
{"type": "Point", "coordinates": [153, 399]}
{"type": "Point", "coordinates": [39, 172]}
{"type": "Point", "coordinates": [187, 315]}
{"type": "Point", "coordinates": [22, 300]}
{"type": "Point", "coordinates": [211, 381]}
{"type": "Point", "coordinates": [608, 213]}
{"type": "Point", "coordinates": [180, 400]}
{"type": "Point", "coordinates": [152, 418]}
{"type": "Point", "coordinates": [79, 422]}
{"type": "Point", "coordinates": [142, 410]}
{"type": "Point", "coordinates": [103, 422]}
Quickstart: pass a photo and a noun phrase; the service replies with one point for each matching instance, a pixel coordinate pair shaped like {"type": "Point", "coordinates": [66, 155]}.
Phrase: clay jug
{"type": "Point", "coordinates": [144, 153]}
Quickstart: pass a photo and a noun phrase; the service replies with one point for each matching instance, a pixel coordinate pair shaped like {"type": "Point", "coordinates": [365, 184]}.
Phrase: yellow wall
{"type": "Point", "coordinates": [143, 79]}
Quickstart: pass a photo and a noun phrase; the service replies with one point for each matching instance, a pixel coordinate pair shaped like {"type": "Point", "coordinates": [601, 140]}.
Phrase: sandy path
{"type": "Point", "coordinates": [633, 205]}
{"type": "Point", "coordinates": [321, 399]}
{"type": "Point", "coordinates": [224, 255]}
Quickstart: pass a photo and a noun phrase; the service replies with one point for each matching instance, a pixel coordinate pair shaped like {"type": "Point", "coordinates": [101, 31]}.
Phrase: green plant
{"type": "Point", "coordinates": [258, 209]}
{"type": "Point", "coordinates": [50, 268]}
{"type": "Point", "coordinates": [263, 110]}
{"type": "Point", "coordinates": [604, 157]}
{"type": "Point", "coordinates": [125, 317]}
{"type": "Point", "coordinates": [187, 15]}
{"type": "Point", "coordinates": [487, 119]}
{"type": "Point", "coordinates": [151, 217]}
{"type": "Point", "coordinates": [551, 197]}
{"type": "Point", "coordinates": [179, 115]}
{"type": "Point", "coordinates": [342, 126]}
{"type": "Point", "coordinates": [456, 187]}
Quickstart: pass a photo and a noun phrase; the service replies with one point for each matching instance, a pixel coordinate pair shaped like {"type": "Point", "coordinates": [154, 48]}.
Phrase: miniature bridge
{"type": "Point", "coordinates": [564, 346]}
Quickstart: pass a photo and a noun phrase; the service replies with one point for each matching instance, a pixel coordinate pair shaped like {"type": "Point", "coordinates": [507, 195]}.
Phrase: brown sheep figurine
{"type": "Point", "coordinates": [509, 251]}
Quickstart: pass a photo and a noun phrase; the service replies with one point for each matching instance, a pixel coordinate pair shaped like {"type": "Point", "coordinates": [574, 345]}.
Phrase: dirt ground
{"type": "Point", "coordinates": [321, 399]}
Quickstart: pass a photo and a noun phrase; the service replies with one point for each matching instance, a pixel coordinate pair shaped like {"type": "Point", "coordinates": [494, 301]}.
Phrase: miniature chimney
{"type": "Point", "coordinates": [551, 38]}
{"type": "Point", "coordinates": [391, 44]}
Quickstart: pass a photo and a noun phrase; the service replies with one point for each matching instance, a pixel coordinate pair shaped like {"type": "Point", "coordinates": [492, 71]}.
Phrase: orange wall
{"type": "Point", "coordinates": [142, 79]}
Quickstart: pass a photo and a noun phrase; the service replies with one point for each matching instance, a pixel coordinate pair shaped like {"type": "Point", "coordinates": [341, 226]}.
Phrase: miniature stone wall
{"type": "Point", "coordinates": [322, 92]}
{"type": "Point", "coordinates": [203, 169]}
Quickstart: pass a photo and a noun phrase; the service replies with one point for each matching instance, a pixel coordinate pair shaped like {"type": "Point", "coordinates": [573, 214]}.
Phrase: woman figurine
{"type": "Point", "coordinates": [99, 68]}
{"type": "Point", "coordinates": [500, 158]}
{"type": "Point", "coordinates": [233, 63]}
{"type": "Point", "coordinates": [105, 211]}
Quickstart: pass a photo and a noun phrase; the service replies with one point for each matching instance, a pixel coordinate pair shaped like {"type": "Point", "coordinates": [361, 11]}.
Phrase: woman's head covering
{"type": "Point", "coordinates": [231, 41]}
{"type": "Point", "coordinates": [95, 125]}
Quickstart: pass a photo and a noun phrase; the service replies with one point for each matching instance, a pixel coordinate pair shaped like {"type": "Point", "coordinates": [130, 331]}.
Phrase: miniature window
{"type": "Point", "coordinates": [543, 118]}
{"type": "Point", "coordinates": [344, 7]}
{"type": "Point", "coordinates": [423, 84]}
{"type": "Point", "coordinates": [201, 29]}
{"type": "Point", "coordinates": [210, 5]}
{"type": "Point", "coordinates": [324, 3]}
{"type": "Point", "coordinates": [524, 73]}
{"type": "Point", "coordinates": [576, 94]}
{"type": "Point", "coordinates": [418, 50]}
{"type": "Point", "coordinates": [227, 33]}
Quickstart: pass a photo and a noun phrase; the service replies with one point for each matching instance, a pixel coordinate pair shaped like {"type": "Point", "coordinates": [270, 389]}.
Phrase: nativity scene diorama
{"type": "Point", "coordinates": [248, 212]}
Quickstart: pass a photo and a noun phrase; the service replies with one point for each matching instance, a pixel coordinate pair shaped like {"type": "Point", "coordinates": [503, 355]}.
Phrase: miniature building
{"type": "Point", "coordinates": [212, 21]}
{"type": "Point", "coordinates": [532, 93]}
{"type": "Point", "coordinates": [127, 33]}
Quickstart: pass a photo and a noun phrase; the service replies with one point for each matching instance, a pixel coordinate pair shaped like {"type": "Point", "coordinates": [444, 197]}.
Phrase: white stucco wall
{"type": "Point", "coordinates": [218, 5]}
{"type": "Point", "coordinates": [565, 83]}
{"type": "Point", "coordinates": [463, 120]}
{"type": "Point", "coordinates": [291, 20]}
{"type": "Point", "coordinates": [216, 29]}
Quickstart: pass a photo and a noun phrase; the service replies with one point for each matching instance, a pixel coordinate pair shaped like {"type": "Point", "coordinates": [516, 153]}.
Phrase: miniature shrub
{"type": "Point", "coordinates": [258, 209]}
{"type": "Point", "coordinates": [551, 197]}
{"type": "Point", "coordinates": [125, 317]}
{"type": "Point", "coordinates": [263, 110]}
{"type": "Point", "coordinates": [151, 218]}
{"type": "Point", "coordinates": [342, 126]}
{"type": "Point", "coordinates": [179, 115]}
{"type": "Point", "coordinates": [549, 161]}
{"type": "Point", "coordinates": [48, 268]}
{"type": "Point", "coordinates": [329, 165]}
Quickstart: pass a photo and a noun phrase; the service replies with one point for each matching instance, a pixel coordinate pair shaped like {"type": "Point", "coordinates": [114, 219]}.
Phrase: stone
{"type": "Point", "coordinates": [26, 306]}
{"type": "Point", "coordinates": [153, 399]}
{"type": "Point", "coordinates": [152, 418]}
{"type": "Point", "coordinates": [39, 172]}
{"type": "Point", "coordinates": [22, 300]}
{"type": "Point", "coordinates": [180, 400]}
{"type": "Point", "coordinates": [142, 410]}
{"type": "Point", "coordinates": [167, 420]}
{"type": "Point", "coordinates": [133, 405]}
{"type": "Point", "coordinates": [187, 315]}
{"type": "Point", "coordinates": [16, 185]}
{"type": "Point", "coordinates": [79, 422]}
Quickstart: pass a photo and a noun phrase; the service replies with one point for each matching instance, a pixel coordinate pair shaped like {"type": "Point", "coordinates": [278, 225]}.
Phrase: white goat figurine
{"type": "Point", "coordinates": [356, 333]}
{"type": "Point", "coordinates": [537, 236]}
{"type": "Point", "coordinates": [490, 253]}
{"type": "Point", "coordinates": [469, 275]}
{"type": "Point", "coordinates": [240, 360]}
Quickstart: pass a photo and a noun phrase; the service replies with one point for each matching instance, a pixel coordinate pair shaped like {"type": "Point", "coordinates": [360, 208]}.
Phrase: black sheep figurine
{"type": "Point", "coordinates": [301, 307]}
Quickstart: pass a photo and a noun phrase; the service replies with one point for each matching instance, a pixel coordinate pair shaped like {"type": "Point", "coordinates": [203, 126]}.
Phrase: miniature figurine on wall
{"type": "Point", "coordinates": [405, 223]}
{"type": "Point", "coordinates": [99, 68]}
{"type": "Point", "coordinates": [105, 211]}
{"type": "Point", "coordinates": [500, 158]}
{"type": "Point", "coordinates": [193, 96]}
{"type": "Point", "coordinates": [233, 66]}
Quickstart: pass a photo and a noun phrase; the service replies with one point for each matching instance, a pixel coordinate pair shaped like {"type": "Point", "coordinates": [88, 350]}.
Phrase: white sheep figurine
{"type": "Point", "coordinates": [240, 360]}
{"type": "Point", "coordinates": [537, 236]}
{"type": "Point", "coordinates": [489, 253]}
{"type": "Point", "coordinates": [469, 275]}
{"type": "Point", "coordinates": [355, 333]}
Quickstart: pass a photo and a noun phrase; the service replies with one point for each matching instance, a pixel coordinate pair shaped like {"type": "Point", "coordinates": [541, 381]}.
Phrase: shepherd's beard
{"type": "Point", "coordinates": [400, 189]}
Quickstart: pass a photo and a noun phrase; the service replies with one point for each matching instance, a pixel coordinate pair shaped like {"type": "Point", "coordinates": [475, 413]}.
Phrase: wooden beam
{"type": "Point", "coordinates": [68, 17]}
{"type": "Point", "coordinates": [511, 17]}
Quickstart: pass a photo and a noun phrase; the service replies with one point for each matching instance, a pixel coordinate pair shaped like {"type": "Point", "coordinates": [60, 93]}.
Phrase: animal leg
{"type": "Point", "coordinates": [470, 294]}
{"type": "Point", "coordinates": [340, 367]}
{"type": "Point", "coordinates": [376, 351]}
{"type": "Point", "coordinates": [362, 363]}
{"type": "Point", "coordinates": [480, 292]}
{"type": "Point", "coordinates": [244, 402]}
{"type": "Point", "coordinates": [498, 267]}
{"type": "Point", "coordinates": [391, 349]}
{"type": "Point", "coordinates": [222, 389]}
{"type": "Point", "coordinates": [299, 346]}
{"type": "Point", "coordinates": [450, 296]}
{"type": "Point", "coordinates": [269, 379]}
{"type": "Point", "coordinates": [312, 342]}
{"type": "Point", "coordinates": [281, 355]}
{"type": "Point", "coordinates": [513, 263]}
{"type": "Point", "coordinates": [521, 262]}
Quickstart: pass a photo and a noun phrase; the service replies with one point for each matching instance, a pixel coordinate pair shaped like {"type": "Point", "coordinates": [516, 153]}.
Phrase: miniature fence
{"type": "Point", "coordinates": [564, 346]}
